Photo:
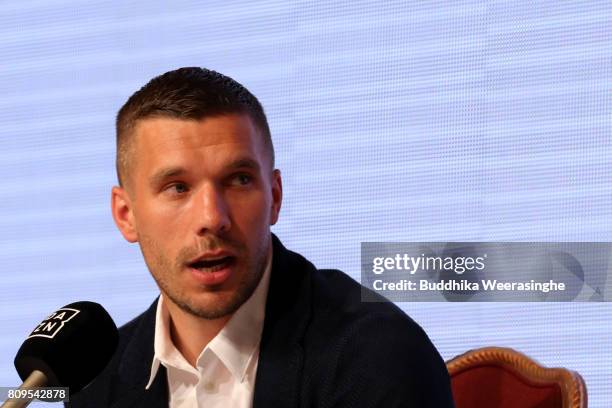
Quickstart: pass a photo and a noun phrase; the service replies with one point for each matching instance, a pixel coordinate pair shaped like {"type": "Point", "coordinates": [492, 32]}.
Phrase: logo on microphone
{"type": "Point", "coordinates": [53, 324]}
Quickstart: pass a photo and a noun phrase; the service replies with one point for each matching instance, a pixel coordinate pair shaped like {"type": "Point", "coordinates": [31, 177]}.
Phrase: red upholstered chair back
{"type": "Point", "coordinates": [495, 377]}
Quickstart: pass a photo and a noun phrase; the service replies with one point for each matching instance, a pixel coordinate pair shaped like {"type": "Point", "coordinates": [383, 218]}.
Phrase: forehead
{"type": "Point", "coordinates": [169, 134]}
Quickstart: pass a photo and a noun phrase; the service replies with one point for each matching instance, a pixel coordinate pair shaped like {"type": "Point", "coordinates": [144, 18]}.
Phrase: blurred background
{"type": "Point", "coordinates": [392, 121]}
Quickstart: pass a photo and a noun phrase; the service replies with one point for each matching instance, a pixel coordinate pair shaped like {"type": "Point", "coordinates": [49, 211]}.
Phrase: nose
{"type": "Point", "coordinates": [211, 211]}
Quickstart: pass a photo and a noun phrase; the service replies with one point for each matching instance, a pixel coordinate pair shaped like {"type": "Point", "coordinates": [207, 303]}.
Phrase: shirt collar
{"type": "Point", "coordinates": [235, 345]}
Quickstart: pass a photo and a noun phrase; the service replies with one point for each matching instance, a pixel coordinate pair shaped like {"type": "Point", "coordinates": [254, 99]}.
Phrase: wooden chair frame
{"type": "Point", "coordinates": [573, 388]}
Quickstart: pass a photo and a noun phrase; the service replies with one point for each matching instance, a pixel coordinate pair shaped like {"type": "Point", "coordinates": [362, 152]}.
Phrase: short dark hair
{"type": "Point", "coordinates": [187, 93]}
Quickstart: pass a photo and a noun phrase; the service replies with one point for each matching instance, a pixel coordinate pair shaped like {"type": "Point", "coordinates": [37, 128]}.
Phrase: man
{"type": "Point", "coordinates": [241, 321]}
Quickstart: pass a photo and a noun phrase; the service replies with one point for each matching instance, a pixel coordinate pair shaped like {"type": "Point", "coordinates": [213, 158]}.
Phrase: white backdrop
{"type": "Point", "coordinates": [393, 121]}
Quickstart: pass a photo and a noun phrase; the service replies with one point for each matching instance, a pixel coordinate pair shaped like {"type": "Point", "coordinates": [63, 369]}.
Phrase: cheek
{"type": "Point", "coordinates": [160, 224]}
{"type": "Point", "coordinates": [251, 213]}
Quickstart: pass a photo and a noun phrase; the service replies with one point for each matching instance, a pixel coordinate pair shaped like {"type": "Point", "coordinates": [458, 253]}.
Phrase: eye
{"type": "Point", "coordinates": [177, 188]}
{"type": "Point", "coordinates": [242, 179]}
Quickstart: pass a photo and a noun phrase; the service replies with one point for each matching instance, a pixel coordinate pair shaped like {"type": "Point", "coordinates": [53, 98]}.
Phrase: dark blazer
{"type": "Point", "coordinates": [321, 346]}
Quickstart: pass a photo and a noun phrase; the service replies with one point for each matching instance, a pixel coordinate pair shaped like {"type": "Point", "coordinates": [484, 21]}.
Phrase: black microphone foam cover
{"type": "Point", "coordinates": [71, 346]}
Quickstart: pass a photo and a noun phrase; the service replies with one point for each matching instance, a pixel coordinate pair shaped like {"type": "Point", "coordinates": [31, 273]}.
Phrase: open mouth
{"type": "Point", "coordinates": [212, 265]}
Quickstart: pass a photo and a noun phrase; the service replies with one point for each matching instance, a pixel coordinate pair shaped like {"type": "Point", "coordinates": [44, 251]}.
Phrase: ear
{"type": "Point", "coordinates": [123, 213]}
{"type": "Point", "coordinates": [277, 196]}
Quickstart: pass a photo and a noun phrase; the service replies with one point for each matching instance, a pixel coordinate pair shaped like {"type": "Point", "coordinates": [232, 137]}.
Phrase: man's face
{"type": "Point", "coordinates": [200, 198]}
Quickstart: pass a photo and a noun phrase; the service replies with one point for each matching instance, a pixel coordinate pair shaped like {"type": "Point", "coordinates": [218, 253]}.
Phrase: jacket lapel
{"type": "Point", "coordinates": [287, 314]}
{"type": "Point", "coordinates": [135, 368]}
{"type": "Point", "coordinates": [155, 397]}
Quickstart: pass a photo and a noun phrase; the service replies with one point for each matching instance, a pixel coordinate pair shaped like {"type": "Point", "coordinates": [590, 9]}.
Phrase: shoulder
{"type": "Point", "coordinates": [144, 322]}
{"type": "Point", "coordinates": [340, 300]}
{"type": "Point", "coordinates": [129, 360]}
{"type": "Point", "coordinates": [372, 351]}
{"type": "Point", "coordinates": [137, 336]}
{"type": "Point", "coordinates": [333, 302]}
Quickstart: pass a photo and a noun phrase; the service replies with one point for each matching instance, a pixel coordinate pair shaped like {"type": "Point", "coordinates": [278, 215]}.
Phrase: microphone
{"type": "Point", "coordinates": [69, 348]}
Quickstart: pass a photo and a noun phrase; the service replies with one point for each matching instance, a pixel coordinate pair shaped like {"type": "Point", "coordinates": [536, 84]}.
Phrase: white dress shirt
{"type": "Point", "coordinates": [224, 375]}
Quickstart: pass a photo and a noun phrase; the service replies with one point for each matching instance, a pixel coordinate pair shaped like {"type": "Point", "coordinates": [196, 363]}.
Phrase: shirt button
{"type": "Point", "coordinates": [209, 386]}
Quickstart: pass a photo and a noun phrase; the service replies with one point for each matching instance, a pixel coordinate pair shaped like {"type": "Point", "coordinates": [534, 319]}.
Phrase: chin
{"type": "Point", "coordinates": [211, 305]}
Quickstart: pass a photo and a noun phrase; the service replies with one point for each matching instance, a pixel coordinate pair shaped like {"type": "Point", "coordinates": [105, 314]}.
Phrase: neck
{"type": "Point", "coordinates": [190, 334]}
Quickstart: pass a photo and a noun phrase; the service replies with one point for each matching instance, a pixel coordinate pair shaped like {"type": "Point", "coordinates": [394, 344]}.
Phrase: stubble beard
{"type": "Point", "coordinates": [164, 271]}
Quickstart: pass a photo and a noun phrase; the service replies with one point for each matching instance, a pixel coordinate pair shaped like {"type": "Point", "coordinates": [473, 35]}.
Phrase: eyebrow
{"type": "Point", "coordinates": [166, 173]}
{"type": "Point", "coordinates": [243, 163]}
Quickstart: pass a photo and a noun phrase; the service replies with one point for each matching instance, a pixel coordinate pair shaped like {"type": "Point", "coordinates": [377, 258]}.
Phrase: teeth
{"type": "Point", "coordinates": [210, 270]}
{"type": "Point", "coordinates": [211, 265]}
